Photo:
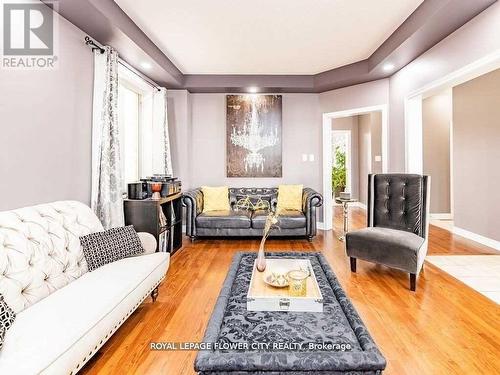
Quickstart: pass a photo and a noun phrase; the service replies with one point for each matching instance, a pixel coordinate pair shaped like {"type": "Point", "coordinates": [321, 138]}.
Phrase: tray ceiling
{"type": "Point", "coordinates": [267, 37]}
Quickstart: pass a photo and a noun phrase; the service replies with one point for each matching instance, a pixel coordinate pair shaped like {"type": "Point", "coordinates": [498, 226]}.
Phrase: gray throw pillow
{"type": "Point", "coordinates": [101, 248]}
{"type": "Point", "coordinates": [7, 317]}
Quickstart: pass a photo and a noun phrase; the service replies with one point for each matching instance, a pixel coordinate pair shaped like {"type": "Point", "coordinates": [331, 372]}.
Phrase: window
{"type": "Point", "coordinates": [129, 102]}
{"type": "Point", "coordinates": [135, 125]}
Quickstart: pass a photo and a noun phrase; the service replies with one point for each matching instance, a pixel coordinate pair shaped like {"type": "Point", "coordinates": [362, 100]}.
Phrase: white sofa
{"type": "Point", "coordinates": [64, 313]}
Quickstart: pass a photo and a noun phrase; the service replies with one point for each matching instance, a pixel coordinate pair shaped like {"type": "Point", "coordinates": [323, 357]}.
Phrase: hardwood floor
{"type": "Point", "coordinates": [443, 328]}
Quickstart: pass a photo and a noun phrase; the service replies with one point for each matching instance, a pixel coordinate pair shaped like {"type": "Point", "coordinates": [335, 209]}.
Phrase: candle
{"type": "Point", "coordinates": [297, 283]}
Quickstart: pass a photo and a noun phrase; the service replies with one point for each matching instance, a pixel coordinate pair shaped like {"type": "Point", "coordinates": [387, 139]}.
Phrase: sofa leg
{"type": "Point", "coordinates": [193, 238]}
{"type": "Point", "coordinates": [154, 294]}
{"type": "Point", "coordinates": [413, 282]}
{"type": "Point", "coordinates": [310, 238]}
{"type": "Point", "coordinates": [353, 264]}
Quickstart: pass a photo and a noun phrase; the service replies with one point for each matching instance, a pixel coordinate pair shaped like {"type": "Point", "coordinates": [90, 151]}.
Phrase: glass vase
{"type": "Point", "coordinates": [261, 256]}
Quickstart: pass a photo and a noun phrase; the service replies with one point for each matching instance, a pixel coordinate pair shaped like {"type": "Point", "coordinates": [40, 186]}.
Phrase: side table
{"type": "Point", "coordinates": [345, 209]}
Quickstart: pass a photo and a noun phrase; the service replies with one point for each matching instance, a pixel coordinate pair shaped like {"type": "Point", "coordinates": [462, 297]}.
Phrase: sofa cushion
{"type": "Point", "coordinates": [287, 219]}
{"type": "Point", "coordinates": [105, 247]}
{"type": "Point", "coordinates": [290, 197]}
{"type": "Point", "coordinates": [392, 247]}
{"type": "Point", "coordinates": [215, 198]}
{"type": "Point", "coordinates": [224, 219]}
{"type": "Point", "coordinates": [57, 332]}
{"type": "Point", "coordinates": [7, 317]}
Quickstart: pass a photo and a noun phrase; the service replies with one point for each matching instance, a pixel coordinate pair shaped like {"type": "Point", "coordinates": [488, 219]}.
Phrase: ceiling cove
{"type": "Point", "coordinates": [393, 47]}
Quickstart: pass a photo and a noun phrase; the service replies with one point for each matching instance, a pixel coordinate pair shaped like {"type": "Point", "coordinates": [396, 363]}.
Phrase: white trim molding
{"type": "Point", "coordinates": [359, 205]}
{"type": "Point", "coordinates": [441, 216]}
{"type": "Point", "coordinates": [494, 244]}
{"type": "Point", "coordinates": [320, 225]}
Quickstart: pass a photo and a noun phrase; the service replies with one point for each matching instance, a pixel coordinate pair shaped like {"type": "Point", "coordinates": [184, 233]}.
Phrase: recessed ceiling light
{"type": "Point", "coordinates": [146, 65]}
{"type": "Point", "coordinates": [388, 67]}
{"type": "Point", "coordinates": [253, 89]}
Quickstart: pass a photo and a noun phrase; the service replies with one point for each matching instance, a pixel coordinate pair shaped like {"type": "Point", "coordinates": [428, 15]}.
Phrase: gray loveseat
{"type": "Point", "coordinates": [235, 222]}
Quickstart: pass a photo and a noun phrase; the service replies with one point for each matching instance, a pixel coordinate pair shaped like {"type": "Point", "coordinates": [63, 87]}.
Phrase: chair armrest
{"type": "Point", "coordinates": [148, 242]}
{"type": "Point", "coordinates": [310, 200]}
{"type": "Point", "coordinates": [193, 201]}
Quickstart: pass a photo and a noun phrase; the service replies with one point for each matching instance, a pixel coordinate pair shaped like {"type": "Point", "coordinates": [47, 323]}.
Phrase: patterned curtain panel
{"type": "Point", "coordinates": [106, 199]}
{"type": "Point", "coordinates": [162, 162]}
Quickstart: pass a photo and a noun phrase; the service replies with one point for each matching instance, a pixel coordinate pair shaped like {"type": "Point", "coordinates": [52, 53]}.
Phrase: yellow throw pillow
{"type": "Point", "coordinates": [215, 198]}
{"type": "Point", "coordinates": [290, 197]}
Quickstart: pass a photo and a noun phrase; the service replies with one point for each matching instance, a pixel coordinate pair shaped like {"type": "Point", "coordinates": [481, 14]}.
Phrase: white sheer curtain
{"type": "Point", "coordinates": [157, 152]}
{"type": "Point", "coordinates": [106, 198]}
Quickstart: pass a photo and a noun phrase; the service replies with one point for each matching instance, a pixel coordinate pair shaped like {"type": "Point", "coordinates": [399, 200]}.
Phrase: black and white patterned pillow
{"type": "Point", "coordinates": [101, 248]}
{"type": "Point", "coordinates": [7, 317]}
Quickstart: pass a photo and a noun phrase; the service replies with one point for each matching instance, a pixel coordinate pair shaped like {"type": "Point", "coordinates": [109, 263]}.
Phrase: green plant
{"type": "Point", "coordinates": [339, 178]}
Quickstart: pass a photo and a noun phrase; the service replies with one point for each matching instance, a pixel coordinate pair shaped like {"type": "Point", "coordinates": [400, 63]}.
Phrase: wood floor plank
{"type": "Point", "coordinates": [444, 328]}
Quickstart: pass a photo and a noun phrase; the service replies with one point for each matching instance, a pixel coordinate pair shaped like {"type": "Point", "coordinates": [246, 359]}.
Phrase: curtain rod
{"type": "Point", "coordinates": [95, 46]}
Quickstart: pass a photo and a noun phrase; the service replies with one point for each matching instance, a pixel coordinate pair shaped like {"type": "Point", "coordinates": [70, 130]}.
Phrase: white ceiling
{"type": "Point", "coordinates": [267, 36]}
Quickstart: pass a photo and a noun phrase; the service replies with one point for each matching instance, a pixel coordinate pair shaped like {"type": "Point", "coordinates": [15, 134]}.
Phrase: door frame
{"type": "Point", "coordinates": [327, 152]}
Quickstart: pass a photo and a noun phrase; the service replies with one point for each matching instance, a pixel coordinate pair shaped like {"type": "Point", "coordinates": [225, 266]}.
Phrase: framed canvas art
{"type": "Point", "coordinates": [253, 135]}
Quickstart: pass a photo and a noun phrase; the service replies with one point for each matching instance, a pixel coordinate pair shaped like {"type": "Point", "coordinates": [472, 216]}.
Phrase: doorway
{"type": "Point", "coordinates": [342, 161]}
{"type": "Point", "coordinates": [358, 164]}
{"type": "Point", "coordinates": [459, 109]}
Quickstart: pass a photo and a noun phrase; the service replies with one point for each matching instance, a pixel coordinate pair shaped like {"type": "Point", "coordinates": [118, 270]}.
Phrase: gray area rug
{"type": "Point", "coordinates": [333, 342]}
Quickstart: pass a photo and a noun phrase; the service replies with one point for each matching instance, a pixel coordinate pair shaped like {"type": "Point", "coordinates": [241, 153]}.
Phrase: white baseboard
{"type": "Point", "coordinates": [320, 225]}
{"type": "Point", "coordinates": [359, 204]}
{"type": "Point", "coordinates": [477, 237]}
{"type": "Point", "coordinates": [184, 228]}
{"type": "Point", "coordinates": [443, 216]}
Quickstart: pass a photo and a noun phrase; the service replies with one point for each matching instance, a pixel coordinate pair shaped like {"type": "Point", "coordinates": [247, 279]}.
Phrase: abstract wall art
{"type": "Point", "coordinates": [253, 135]}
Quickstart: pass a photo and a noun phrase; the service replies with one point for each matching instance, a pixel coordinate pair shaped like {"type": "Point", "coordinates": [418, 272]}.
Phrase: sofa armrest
{"type": "Point", "coordinates": [148, 242]}
{"type": "Point", "coordinates": [193, 201]}
{"type": "Point", "coordinates": [310, 200]}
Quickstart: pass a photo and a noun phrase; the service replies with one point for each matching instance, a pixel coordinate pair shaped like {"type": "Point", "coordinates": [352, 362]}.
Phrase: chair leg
{"type": "Point", "coordinates": [413, 282]}
{"type": "Point", "coordinates": [154, 294]}
{"type": "Point", "coordinates": [353, 264]}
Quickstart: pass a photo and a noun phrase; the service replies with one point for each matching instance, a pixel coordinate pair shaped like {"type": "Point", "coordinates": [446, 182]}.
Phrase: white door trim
{"type": "Point", "coordinates": [327, 152]}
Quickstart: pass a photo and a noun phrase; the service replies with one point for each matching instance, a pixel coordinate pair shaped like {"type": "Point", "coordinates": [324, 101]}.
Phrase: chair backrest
{"type": "Point", "coordinates": [40, 250]}
{"type": "Point", "coordinates": [399, 201]}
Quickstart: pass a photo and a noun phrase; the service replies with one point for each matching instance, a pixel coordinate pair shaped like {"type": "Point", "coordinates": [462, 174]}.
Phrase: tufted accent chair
{"type": "Point", "coordinates": [40, 250]}
{"type": "Point", "coordinates": [397, 224]}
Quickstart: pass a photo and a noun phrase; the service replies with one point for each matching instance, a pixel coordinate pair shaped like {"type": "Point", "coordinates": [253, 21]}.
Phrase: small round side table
{"type": "Point", "coordinates": [345, 209]}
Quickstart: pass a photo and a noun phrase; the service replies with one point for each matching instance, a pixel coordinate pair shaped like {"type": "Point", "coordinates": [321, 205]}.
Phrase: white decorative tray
{"type": "Point", "coordinates": [263, 297]}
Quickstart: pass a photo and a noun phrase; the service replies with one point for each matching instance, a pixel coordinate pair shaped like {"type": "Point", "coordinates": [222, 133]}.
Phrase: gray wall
{"type": "Point", "coordinates": [436, 121]}
{"type": "Point", "coordinates": [45, 121]}
{"type": "Point", "coordinates": [301, 135]}
{"type": "Point", "coordinates": [476, 154]}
